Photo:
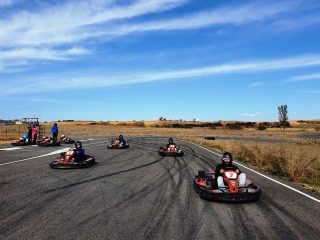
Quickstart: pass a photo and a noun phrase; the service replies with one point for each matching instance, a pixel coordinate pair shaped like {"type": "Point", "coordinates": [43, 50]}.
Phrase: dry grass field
{"type": "Point", "coordinates": [296, 159]}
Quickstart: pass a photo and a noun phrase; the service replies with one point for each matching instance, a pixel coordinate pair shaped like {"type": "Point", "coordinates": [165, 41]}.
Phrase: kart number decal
{"type": "Point", "coordinates": [231, 175]}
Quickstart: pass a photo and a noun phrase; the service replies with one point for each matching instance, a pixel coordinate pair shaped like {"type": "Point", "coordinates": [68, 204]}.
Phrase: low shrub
{"type": "Point", "coordinates": [138, 124]}
{"type": "Point", "coordinates": [261, 127]}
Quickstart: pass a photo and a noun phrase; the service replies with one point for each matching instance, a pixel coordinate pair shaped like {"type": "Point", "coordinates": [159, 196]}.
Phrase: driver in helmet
{"type": "Point", "coordinates": [227, 159]}
{"type": "Point", "coordinates": [170, 143]}
{"type": "Point", "coordinates": [63, 137]}
{"type": "Point", "coordinates": [122, 141]}
{"type": "Point", "coordinates": [79, 155]}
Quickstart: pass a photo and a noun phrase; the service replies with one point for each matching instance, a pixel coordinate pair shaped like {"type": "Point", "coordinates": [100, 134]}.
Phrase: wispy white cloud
{"type": "Point", "coordinates": [48, 31]}
{"type": "Point", "coordinates": [41, 33]}
{"type": "Point", "coordinates": [42, 53]}
{"type": "Point", "coordinates": [72, 21]}
{"type": "Point", "coordinates": [23, 59]}
{"type": "Point", "coordinates": [304, 78]}
{"type": "Point", "coordinates": [8, 2]}
{"type": "Point", "coordinates": [43, 100]}
{"type": "Point", "coordinates": [232, 15]}
{"type": "Point", "coordinates": [75, 21]}
{"type": "Point", "coordinates": [89, 80]}
{"type": "Point", "coordinates": [15, 69]}
{"type": "Point", "coordinates": [256, 84]}
{"type": "Point", "coordinates": [295, 23]}
{"type": "Point", "coordinates": [310, 91]}
{"type": "Point", "coordinates": [49, 100]}
{"type": "Point", "coordinates": [250, 114]}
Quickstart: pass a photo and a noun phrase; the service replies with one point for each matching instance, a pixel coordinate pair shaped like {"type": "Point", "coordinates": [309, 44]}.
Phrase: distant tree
{"type": "Point", "coordinates": [283, 116]}
{"type": "Point", "coordinates": [160, 118]}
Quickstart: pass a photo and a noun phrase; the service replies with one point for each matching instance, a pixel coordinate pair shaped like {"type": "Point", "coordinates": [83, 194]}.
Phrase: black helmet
{"type": "Point", "coordinates": [120, 137]}
{"type": "Point", "coordinates": [78, 143]}
{"type": "Point", "coordinates": [226, 155]}
{"type": "Point", "coordinates": [170, 140]}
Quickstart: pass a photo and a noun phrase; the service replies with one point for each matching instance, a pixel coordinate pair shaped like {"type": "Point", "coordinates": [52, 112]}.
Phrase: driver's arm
{"type": "Point", "coordinates": [218, 171]}
{"type": "Point", "coordinates": [236, 169]}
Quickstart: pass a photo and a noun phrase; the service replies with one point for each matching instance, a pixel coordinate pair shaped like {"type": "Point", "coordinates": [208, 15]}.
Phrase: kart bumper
{"type": "Point", "coordinates": [247, 194]}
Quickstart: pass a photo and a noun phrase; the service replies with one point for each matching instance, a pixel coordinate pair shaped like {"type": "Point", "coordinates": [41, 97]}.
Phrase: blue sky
{"type": "Point", "coordinates": [124, 60]}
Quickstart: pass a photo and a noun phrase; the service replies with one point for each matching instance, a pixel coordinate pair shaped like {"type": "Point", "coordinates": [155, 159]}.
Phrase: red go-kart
{"type": "Point", "coordinates": [66, 140]}
{"type": "Point", "coordinates": [47, 142]}
{"type": "Point", "coordinates": [205, 184]}
{"type": "Point", "coordinates": [115, 144]}
{"type": "Point", "coordinates": [66, 161]}
{"type": "Point", "coordinates": [172, 150]}
{"type": "Point", "coordinates": [20, 142]}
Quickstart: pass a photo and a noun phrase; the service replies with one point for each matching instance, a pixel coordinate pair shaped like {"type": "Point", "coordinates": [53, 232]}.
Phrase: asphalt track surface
{"type": "Point", "coordinates": [136, 194]}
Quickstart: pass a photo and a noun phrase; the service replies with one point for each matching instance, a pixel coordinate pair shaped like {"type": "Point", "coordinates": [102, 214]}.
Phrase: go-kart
{"type": "Point", "coordinates": [47, 142]}
{"type": "Point", "coordinates": [115, 144]}
{"type": "Point", "coordinates": [22, 142]}
{"type": "Point", "coordinates": [172, 150]}
{"type": "Point", "coordinates": [66, 161]}
{"type": "Point", "coordinates": [205, 184]}
{"type": "Point", "coordinates": [66, 140]}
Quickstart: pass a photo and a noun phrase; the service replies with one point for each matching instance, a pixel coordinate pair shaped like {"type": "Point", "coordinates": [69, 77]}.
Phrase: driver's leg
{"type": "Point", "coordinates": [220, 181]}
{"type": "Point", "coordinates": [242, 179]}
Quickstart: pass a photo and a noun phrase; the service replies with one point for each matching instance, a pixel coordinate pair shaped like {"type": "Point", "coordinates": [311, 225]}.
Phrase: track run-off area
{"type": "Point", "coordinates": [136, 194]}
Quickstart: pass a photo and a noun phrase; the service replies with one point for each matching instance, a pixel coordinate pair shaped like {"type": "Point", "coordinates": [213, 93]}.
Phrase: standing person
{"type": "Point", "coordinates": [29, 134]}
{"type": "Point", "coordinates": [55, 131]}
{"type": "Point", "coordinates": [35, 132]}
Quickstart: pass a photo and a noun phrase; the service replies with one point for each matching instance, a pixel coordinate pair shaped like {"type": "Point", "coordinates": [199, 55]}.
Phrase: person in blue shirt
{"type": "Point", "coordinates": [122, 141]}
{"type": "Point", "coordinates": [79, 155]}
{"type": "Point", "coordinates": [55, 131]}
